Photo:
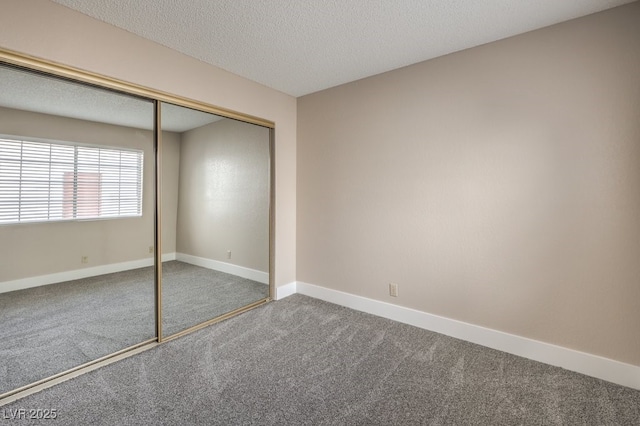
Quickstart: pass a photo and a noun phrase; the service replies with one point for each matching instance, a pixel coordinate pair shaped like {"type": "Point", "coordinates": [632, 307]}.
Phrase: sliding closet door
{"type": "Point", "coordinates": [215, 216]}
{"type": "Point", "coordinates": [76, 225]}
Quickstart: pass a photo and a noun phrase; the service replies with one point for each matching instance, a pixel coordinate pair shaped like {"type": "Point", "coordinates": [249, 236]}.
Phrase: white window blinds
{"type": "Point", "coordinates": [44, 181]}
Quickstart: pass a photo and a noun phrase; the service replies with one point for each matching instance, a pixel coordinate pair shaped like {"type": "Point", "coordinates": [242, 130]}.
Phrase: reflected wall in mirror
{"type": "Point", "coordinates": [76, 225]}
{"type": "Point", "coordinates": [215, 216]}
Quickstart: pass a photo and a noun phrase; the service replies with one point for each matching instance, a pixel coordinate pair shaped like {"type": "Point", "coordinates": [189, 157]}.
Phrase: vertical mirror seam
{"type": "Point", "coordinates": [272, 212]}
{"type": "Point", "coordinates": [158, 216]}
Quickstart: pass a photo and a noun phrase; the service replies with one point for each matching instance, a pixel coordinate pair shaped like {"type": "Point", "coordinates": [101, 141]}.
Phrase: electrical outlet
{"type": "Point", "coordinates": [84, 259]}
{"type": "Point", "coordinates": [393, 289]}
{"type": "Point", "coordinates": [228, 254]}
{"type": "Point", "coordinates": [150, 249]}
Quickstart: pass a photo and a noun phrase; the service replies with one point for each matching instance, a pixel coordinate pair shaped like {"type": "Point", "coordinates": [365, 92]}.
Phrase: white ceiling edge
{"type": "Point", "coordinates": [303, 46]}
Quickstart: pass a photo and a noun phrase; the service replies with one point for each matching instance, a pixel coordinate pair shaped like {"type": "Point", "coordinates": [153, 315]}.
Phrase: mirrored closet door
{"type": "Point", "coordinates": [76, 224]}
{"type": "Point", "coordinates": [215, 216]}
{"type": "Point", "coordinates": [127, 217]}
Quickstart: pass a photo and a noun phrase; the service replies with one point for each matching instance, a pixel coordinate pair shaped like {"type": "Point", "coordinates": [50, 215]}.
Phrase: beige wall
{"type": "Point", "coordinates": [498, 186]}
{"type": "Point", "coordinates": [169, 196]}
{"type": "Point", "coordinates": [223, 201]}
{"type": "Point", "coordinates": [50, 31]}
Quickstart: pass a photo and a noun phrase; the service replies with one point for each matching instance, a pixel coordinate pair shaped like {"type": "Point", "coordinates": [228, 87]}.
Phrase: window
{"type": "Point", "coordinates": [47, 181]}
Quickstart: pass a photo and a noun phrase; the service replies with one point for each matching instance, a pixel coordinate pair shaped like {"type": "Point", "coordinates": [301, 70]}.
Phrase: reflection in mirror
{"type": "Point", "coordinates": [76, 225]}
{"type": "Point", "coordinates": [215, 216]}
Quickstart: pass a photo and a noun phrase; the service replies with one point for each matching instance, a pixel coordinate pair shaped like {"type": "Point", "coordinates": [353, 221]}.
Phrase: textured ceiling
{"type": "Point", "coordinates": [302, 46]}
{"type": "Point", "coordinates": [36, 93]}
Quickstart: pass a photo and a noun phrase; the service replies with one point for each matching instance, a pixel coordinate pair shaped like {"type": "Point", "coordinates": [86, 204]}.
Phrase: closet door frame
{"type": "Point", "coordinates": [77, 75]}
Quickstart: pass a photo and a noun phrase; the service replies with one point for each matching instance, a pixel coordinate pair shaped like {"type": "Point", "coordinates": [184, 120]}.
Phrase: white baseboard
{"type": "Point", "coordinates": [285, 290]}
{"type": "Point", "coordinates": [77, 274]}
{"type": "Point", "coordinates": [580, 362]}
{"type": "Point", "coordinates": [166, 257]}
{"type": "Point", "coordinates": [240, 271]}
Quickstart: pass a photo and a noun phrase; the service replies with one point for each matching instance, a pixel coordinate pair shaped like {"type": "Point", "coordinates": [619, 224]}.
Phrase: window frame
{"type": "Point", "coordinates": [74, 207]}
